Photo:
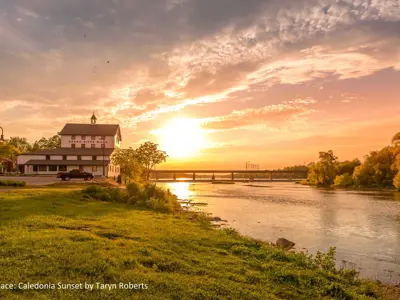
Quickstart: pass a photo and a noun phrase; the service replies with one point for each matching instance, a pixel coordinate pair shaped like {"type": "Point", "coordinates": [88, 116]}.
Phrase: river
{"type": "Point", "coordinates": [363, 226]}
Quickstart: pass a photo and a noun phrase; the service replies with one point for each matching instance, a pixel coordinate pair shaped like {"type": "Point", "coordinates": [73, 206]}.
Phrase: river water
{"type": "Point", "coordinates": [363, 226]}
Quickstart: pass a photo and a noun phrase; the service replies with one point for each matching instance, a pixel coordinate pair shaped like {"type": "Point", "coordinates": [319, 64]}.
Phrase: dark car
{"type": "Point", "coordinates": [75, 173]}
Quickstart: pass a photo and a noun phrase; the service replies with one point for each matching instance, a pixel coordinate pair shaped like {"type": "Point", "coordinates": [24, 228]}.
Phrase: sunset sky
{"type": "Point", "coordinates": [215, 82]}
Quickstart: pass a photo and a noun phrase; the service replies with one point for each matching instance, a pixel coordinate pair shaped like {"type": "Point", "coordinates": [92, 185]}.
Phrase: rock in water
{"type": "Point", "coordinates": [284, 243]}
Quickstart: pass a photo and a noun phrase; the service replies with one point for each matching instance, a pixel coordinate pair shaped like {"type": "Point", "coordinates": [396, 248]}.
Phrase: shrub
{"type": "Point", "coordinates": [12, 183]}
{"type": "Point", "coordinates": [344, 180]}
{"type": "Point", "coordinates": [146, 196]}
{"type": "Point", "coordinates": [134, 189]}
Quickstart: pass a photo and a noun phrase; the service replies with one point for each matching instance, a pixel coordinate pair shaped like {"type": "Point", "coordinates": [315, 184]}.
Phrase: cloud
{"type": "Point", "coordinates": [271, 115]}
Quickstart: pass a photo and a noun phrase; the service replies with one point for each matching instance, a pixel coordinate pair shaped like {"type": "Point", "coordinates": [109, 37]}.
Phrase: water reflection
{"type": "Point", "coordinates": [364, 226]}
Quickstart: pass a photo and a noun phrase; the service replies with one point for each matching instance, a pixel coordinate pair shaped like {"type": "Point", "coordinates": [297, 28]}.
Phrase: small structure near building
{"type": "Point", "coordinates": [6, 165]}
{"type": "Point", "coordinates": [88, 147]}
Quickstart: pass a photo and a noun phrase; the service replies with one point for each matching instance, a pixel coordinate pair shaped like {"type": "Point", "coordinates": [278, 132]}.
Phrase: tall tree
{"type": "Point", "coordinates": [19, 143]}
{"type": "Point", "coordinates": [9, 152]}
{"type": "Point", "coordinates": [127, 160]}
{"type": "Point", "coordinates": [149, 156]}
{"type": "Point", "coordinates": [324, 171]}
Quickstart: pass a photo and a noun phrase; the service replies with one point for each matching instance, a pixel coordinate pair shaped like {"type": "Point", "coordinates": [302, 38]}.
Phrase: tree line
{"type": "Point", "coordinates": [380, 169]}
{"type": "Point", "coordinates": [11, 148]}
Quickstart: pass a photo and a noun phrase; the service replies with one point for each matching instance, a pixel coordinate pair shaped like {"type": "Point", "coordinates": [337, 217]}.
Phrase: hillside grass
{"type": "Point", "coordinates": [55, 234]}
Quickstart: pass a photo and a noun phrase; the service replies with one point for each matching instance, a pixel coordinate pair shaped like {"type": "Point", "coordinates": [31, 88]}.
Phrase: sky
{"type": "Point", "coordinates": [216, 83]}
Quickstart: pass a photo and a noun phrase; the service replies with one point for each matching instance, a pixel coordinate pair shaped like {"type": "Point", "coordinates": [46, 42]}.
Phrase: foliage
{"type": "Point", "coordinates": [149, 156]}
{"type": "Point", "coordinates": [344, 180]}
{"type": "Point", "coordinates": [347, 166]}
{"type": "Point", "coordinates": [53, 235]}
{"type": "Point", "coordinates": [12, 183]}
{"type": "Point", "coordinates": [128, 162]}
{"type": "Point", "coordinates": [323, 173]}
{"type": "Point", "coordinates": [47, 143]}
{"type": "Point", "coordinates": [396, 138]}
{"type": "Point", "coordinates": [21, 144]}
{"type": "Point", "coordinates": [142, 195]}
{"type": "Point", "coordinates": [9, 151]}
{"type": "Point", "coordinates": [297, 168]}
{"type": "Point", "coordinates": [378, 169]}
{"type": "Point", "coordinates": [396, 180]}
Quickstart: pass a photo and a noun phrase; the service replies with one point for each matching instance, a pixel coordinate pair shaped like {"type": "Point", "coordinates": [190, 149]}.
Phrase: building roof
{"type": "Point", "coordinates": [91, 129]}
{"type": "Point", "coordinates": [67, 162]}
{"type": "Point", "coordinates": [73, 151]}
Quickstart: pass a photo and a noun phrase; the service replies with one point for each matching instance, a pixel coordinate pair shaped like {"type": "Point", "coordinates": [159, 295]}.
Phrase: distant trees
{"type": "Point", "coordinates": [11, 148]}
{"type": "Point", "coordinates": [379, 169]}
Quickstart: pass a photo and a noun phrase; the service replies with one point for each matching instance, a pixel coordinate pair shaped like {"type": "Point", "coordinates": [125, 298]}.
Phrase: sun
{"type": "Point", "coordinates": [181, 138]}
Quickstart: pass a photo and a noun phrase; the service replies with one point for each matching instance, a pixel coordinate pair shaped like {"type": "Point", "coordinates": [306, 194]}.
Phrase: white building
{"type": "Point", "coordinates": [83, 146]}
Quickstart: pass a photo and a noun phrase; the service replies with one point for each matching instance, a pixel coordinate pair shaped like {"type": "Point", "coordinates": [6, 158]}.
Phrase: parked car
{"type": "Point", "coordinates": [75, 173]}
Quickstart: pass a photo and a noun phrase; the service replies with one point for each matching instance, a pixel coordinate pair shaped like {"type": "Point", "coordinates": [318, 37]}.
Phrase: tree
{"type": "Point", "coordinates": [148, 155]}
{"type": "Point", "coordinates": [53, 142]}
{"type": "Point", "coordinates": [396, 138]}
{"type": "Point", "coordinates": [347, 166]}
{"type": "Point", "coordinates": [9, 152]}
{"type": "Point", "coordinates": [128, 162]}
{"type": "Point", "coordinates": [19, 143]}
{"type": "Point", "coordinates": [323, 173]}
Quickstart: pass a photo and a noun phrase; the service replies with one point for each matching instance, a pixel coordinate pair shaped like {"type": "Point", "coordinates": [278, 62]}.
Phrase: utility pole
{"type": "Point", "coordinates": [2, 134]}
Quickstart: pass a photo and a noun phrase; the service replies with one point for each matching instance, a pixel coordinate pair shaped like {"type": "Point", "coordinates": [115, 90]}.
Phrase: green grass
{"type": "Point", "coordinates": [55, 234]}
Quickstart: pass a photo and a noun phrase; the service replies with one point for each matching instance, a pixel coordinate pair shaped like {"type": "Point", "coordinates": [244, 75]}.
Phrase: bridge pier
{"type": "Point", "coordinates": [194, 176]}
{"type": "Point", "coordinates": [233, 176]}
{"type": "Point", "coordinates": [270, 176]}
{"type": "Point", "coordinates": [174, 176]}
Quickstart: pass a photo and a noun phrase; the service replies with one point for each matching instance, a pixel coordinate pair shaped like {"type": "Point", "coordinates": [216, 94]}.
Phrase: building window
{"type": "Point", "coordinates": [64, 157]}
{"type": "Point", "coordinates": [93, 137]}
{"type": "Point", "coordinates": [73, 137]}
{"type": "Point", "coordinates": [47, 157]}
{"type": "Point", "coordinates": [35, 168]}
{"type": "Point", "coordinates": [103, 145]}
{"type": "Point", "coordinates": [94, 157]}
{"type": "Point", "coordinates": [94, 169]}
{"type": "Point", "coordinates": [79, 157]}
{"type": "Point", "coordinates": [103, 138]}
{"type": "Point", "coordinates": [83, 146]}
{"type": "Point", "coordinates": [93, 146]}
{"type": "Point", "coordinates": [72, 145]}
{"type": "Point", "coordinates": [62, 168]}
{"type": "Point", "coordinates": [83, 137]}
{"type": "Point", "coordinates": [42, 168]}
{"type": "Point", "coordinates": [53, 168]}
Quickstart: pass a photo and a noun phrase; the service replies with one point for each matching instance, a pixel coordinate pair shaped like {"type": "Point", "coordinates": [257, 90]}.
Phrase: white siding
{"type": "Point", "coordinates": [86, 158]}
{"type": "Point", "coordinates": [72, 157]}
{"type": "Point", "coordinates": [66, 141]}
{"type": "Point", "coordinates": [56, 157]}
{"type": "Point", "coordinates": [22, 159]}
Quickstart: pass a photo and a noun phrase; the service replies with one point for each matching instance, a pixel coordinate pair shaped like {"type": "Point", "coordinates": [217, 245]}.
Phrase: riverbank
{"type": "Point", "coordinates": [54, 234]}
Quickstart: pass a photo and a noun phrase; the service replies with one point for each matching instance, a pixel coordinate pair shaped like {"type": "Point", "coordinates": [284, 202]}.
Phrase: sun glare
{"type": "Point", "coordinates": [181, 138]}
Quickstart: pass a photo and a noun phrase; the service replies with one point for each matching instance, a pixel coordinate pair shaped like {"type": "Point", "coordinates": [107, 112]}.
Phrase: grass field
{"type": "Point", "coordinates": [55, 235]}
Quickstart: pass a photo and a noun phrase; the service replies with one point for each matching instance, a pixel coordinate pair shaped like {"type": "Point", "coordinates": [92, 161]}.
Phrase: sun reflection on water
{"type": "Point", "coordinates": [180, 189]}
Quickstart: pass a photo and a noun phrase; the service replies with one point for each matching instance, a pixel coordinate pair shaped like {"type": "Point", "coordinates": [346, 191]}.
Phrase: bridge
{"type": "Point", "coordinates": [191, 175]}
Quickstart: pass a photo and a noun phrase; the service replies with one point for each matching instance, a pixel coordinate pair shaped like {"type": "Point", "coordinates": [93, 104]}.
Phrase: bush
{"type": "Point", "coordinates": [344, 180]}
{"type": "Point", "coordinates": [12, 183]}
{"type": "Point", "coordinates": [145, 196]}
